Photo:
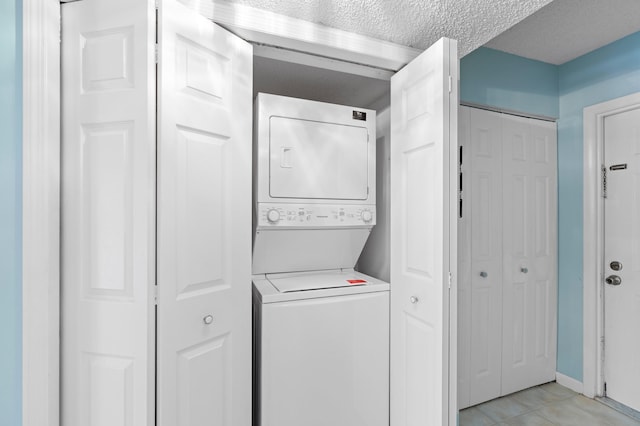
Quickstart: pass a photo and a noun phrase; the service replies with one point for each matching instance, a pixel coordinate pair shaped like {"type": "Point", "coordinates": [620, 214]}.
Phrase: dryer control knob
{"type": "Point", "coordinates": [273, 215]}
{"type": "Point", "coordinates": [366, 216]}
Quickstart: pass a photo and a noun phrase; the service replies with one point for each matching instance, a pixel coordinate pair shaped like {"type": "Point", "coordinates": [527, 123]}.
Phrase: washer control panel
{"type": "Point", "coordinates": [315, 215]}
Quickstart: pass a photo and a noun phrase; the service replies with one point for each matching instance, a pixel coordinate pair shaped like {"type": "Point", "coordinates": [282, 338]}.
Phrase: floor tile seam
{"type": "Point", "coordinates": [506, 418]}
{"type": "Point", "coordinates": [547, 419]}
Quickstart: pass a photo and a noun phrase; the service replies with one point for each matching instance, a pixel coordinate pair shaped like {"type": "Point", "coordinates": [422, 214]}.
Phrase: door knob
{"type": "Point", "coordinates": [208, 319]}
{"type": "Point", "coordinates": [483, 274]}
{"type": "Point", "coordinates": [524, 270]}
{"type": "Point", "coordinates": [613, 280]}
{"type": "Point", "coordinates": [413, 299]}
{"type": "Point", "coordinates": [616, 266]}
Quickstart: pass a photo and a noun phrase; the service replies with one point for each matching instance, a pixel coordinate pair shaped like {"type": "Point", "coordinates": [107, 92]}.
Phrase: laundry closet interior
{"type": "Point", "coordinates": [505, 217]}
{"type": "Point", "coordinates": [507, 230]}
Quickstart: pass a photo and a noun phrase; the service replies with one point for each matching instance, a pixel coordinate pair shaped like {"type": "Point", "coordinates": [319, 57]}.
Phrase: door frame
{"type": "Point", "coordinates": [41, 110]}
{"type": "Point", "coordinates": [593, 235]}
{"type": "Point", "coordinates": [41, 213]}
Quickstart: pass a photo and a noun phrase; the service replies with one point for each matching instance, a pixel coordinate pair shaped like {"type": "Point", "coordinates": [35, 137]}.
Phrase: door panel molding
{"type": "Point", "coordinates": [593, 237]}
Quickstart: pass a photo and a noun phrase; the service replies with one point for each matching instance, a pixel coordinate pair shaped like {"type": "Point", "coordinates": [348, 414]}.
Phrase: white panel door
{"type": "Point", "coordinates": [485, 348]}
{"type": "Point", "coordinates": [530, 245]}
{"type": "Point", "coordinates": [622, 244]}
{"type": "Point", "coordinates": [424, 109]}
{"type": "Point", "coordinates": [204, 222]}
{"type": "Point", "coordinates": [108, 213]}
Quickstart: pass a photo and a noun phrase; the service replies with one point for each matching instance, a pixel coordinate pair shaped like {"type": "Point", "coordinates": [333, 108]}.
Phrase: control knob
{"type": "Point", "coordinates": [273, 215]}
{"type": "Point", "coordinates": [366, 216]}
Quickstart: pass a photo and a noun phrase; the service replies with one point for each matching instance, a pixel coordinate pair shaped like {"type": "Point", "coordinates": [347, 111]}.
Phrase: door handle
{"type": "Point", "coordinates": [413, 300]}
{"type": "Point", "coordinates": [613, 280]}
{"type": "Point", "coordinates": [483, 274]}
{"type": "Point", "coordinates": [207, 319]}
{"type": "Point", "coordinates": [524, 270]}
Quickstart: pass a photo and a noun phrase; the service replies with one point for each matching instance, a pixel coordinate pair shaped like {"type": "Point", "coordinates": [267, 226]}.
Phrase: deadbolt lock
{"type": "Point", "coordinates": [613, 280]}
{"type": "Point", "coordinates": [616, 266]}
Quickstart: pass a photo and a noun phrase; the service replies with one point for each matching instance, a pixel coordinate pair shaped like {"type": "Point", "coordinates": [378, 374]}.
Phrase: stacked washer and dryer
{"type": "Point", "coordinates": [321, 329]}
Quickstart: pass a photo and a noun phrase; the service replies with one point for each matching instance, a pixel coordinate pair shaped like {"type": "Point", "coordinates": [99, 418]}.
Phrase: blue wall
{"type": "Point", "coordinates": [10, 212]}
{"type": "Point", "coordinates": [506, 81]}
{"type": "Point", "coordinates": [604, 74]}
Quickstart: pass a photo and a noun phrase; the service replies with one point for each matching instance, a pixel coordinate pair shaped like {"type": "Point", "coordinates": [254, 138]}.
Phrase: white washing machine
{"type": "Point", "coordinates": [321, 329]}
{"type": "Point", "coordinates": [322, 349]}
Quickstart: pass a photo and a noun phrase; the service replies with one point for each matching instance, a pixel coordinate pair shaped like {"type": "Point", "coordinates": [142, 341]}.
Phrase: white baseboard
{"type": "Point", "coordinates": [569, 382]}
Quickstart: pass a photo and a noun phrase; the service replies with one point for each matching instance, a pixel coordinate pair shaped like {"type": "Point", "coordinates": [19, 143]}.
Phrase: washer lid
{"type": "Point", "coordinates": [286, 283]}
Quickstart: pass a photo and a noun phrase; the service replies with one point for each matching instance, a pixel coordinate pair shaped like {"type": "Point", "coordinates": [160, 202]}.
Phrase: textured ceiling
{"type": "Point", "coordinates": [414, 23]}
{"type": "Point", "coordinates": [566, 29]}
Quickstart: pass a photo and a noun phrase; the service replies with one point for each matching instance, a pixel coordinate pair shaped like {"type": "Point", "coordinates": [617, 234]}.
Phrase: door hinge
{"type": "Point", "coordinates": [604, 181]}
{"type": "Point", "coordinates": [155, 294]}
{"type": "Point", "coordinates": [450, 279]}
{"type": "Point", "coordinates": [156, 52]}
{"type": "Point", "coordinates": [450, 84]}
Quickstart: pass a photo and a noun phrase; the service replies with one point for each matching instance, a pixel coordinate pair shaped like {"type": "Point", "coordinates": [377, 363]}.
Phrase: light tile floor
{"type": "Point", "coordinates": [545, 405]}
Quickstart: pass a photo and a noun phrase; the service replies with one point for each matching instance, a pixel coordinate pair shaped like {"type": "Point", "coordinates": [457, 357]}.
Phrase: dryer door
{"type": "Point", "coordinates": [317, 160]}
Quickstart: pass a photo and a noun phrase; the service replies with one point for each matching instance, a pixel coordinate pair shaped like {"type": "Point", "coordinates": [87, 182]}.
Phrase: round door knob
{"type": "Point", "coordinates": [366, 216]}
{"type": "Point", "coordinates": [524, 270]}
{"type": "Point", "coordinates": [273, 215]}
{"type": "Point", "coordinates": [413, 299]}
{"type": "Point", "coordinates": [207, 319]}
{"type": "Point", "coordinates": [483, 274]}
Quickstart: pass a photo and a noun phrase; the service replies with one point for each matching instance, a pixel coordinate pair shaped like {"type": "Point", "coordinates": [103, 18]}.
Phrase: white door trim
{"type": "Point", "coordinates": [41, 213]}
{"type": "Point", "coordinates": [593, 226]}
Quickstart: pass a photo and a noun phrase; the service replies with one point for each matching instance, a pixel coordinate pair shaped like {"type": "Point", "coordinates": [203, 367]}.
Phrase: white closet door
{"type": "Point", "coordinates": [204, 222]}
{"type": "Point", "coordinates": [530, 229]}
{"type": "Point", "coordinates": [485, 363]}
{"type": "Point", "coordinates": [108, 213]}
{"type": "Point", "coordinates": [424, 109]}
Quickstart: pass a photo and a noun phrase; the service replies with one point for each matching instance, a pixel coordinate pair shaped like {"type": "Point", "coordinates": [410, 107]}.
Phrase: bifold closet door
{"type": "Point", "coordinates": [108, 213]}
{"type": "Point", "coordinates": [529, 246]}
{"type": "Point", "coordinates": [486, 255]}
{"type": "Point", "coordinates": [508, 290]}
{"type": "Point", "coordinates": [204, 222]}
{"type": "Point", "coordinates": [424, 147]}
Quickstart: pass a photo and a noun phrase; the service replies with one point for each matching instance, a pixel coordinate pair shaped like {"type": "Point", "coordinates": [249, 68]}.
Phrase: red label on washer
{"type": "Point", "coordinates": [356, 281]}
